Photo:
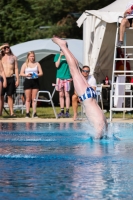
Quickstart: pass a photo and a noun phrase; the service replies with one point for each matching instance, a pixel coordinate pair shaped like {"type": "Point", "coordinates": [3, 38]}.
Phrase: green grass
{"type": "Point", "coordinates": [47, 112]}
{"type": "Point", "coordinates": [42, 112]}
{"type": "Point", "coordinates": [120, 115]}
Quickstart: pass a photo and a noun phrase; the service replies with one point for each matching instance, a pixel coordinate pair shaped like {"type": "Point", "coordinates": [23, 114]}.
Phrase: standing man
{"type": "Point", "coordinates": [63, 83]}
{"type": "Point", "coordinates": [3, 83]}
{"type": "Point", "coordinates": [126, 22]}
{"type": "Point", "coordinates": [91, 81]}
{"type": "Point", "coordinates": [10, 65]}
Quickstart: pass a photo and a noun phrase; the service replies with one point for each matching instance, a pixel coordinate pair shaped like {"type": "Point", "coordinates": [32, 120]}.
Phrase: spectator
{"type": "Point", "coordinates": [63, 78]}
{"type": "Point", "coordinates": [31, 70]}
{"type": "Point", "coordinates": [91, 81]}
{"type": "Point", "coordinates": [126, 22]}
{"type": "Point", "coordinates": [10, 65]}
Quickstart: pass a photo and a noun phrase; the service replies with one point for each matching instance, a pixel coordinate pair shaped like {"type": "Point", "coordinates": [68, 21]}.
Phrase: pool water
{"type": "Point", "coordinates": [56, 161]}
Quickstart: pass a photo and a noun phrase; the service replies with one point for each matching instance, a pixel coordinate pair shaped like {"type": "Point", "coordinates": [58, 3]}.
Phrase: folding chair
{"type": "Point", "coordinates": [18, 104]}
{"type": "Point", "coordinates": [99, 95]}
{"type": "Point", "coordinates": [45, 100]}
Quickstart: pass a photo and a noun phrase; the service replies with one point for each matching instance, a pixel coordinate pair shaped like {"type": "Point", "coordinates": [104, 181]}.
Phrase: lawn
{"type": "Point", "coordinates": [47, 112]}
{"type": "Point", "coordinates": [42, 112]}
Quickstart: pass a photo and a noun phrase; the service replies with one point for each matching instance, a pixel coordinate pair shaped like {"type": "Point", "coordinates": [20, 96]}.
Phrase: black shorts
{"type": "Point", "coordinates": [1, 79]}
{"type": "Point", "coordinates": [31, 84]}
{"type": "Point", "coordinates": [130, 21]}
{"type": "Point", "coordinates": [11, 88]}
{"type": "Point", "coordinates": [1, 82]}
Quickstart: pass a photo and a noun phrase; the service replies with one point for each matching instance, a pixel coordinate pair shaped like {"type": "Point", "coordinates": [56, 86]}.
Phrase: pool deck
{"type": "Point", "coordinates": [53, 120]}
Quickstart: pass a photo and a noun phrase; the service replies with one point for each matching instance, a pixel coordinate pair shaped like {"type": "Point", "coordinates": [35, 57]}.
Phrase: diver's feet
{"type": "Point", "coordinates": [59, 41]}
{"type": "Point", "coordinates": [63, 43]}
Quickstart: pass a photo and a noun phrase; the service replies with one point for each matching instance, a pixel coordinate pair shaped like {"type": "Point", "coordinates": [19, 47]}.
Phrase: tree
{"type": "Point", "coordinates": [16, 20]}
{"type": "Point", "coordinates": [20, 19]}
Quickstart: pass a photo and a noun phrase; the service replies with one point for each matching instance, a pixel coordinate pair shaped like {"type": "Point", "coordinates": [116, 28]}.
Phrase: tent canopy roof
{"type": "Point", "coordinates": [45, 47]}
{"type": "Point", "coordinates": [117, 6]}
{"type": "Point", "coordinates": [108, 14]}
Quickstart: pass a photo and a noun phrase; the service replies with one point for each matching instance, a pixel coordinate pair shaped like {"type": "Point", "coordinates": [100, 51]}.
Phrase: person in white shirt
{"type": "Point", "coordinates": [126, 22]}
{"type": "Point", "coordinates": [92, 82]}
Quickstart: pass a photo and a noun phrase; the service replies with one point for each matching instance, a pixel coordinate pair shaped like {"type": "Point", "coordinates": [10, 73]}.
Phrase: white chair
{"type": "Point", "coordinates": [46, 100]}
{"type": "Point", "coordinates": [99, 95]}
{"type": "Point", "coordinates": [18, 104]}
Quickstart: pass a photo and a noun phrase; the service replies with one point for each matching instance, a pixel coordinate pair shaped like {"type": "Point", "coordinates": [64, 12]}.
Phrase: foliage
{"type": "Point", "coordinates": [20, 19]}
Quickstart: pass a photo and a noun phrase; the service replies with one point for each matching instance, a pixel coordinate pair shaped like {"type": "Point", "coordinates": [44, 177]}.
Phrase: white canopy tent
{"type": "Point", "coordinates": [44, 48]}
{"type": "Point", "coordinates": [99, 31]}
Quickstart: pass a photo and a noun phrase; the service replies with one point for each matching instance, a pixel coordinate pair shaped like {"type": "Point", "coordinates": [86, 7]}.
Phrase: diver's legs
{"type": "Point", "coordinates": [80, 83]}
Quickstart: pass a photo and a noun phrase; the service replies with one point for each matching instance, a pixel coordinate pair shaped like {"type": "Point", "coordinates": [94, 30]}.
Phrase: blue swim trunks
{"type": "Point", "coordinates": [89, 93]}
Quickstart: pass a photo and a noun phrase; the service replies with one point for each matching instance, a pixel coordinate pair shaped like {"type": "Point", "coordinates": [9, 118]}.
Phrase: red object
{"type": "Point", "coordinates": [130, 10]}
{"type": "Point", "coordinates": [131, 80]}
{"type": "Point", "coordinates": [106, 80]}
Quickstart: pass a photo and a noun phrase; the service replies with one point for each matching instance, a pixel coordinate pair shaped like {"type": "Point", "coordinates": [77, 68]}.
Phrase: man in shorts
{"type": "Point", "coordinates": [91, 81]}
{"type": "Point", "coordinates": [63, 83]}
{"type": "Point", "coordinates": [126, 22]}
{"type": "Point", "coordinates": [10, 65]}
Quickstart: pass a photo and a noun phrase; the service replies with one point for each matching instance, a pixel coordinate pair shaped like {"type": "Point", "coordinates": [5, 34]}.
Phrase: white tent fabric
{"type": "Point", "coordinates": [119, 90]}
{"type": "Point", "coordinates": [99, 29]}
{"type": "Point", "coordinates": [44, 48]}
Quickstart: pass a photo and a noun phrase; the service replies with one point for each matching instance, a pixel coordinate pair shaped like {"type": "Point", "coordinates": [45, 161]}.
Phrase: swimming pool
{"type": "Point", "coordinates": [60, 161]}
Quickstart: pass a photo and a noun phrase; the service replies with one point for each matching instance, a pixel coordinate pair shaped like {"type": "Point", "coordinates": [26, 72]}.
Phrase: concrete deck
{"type": "Point", "coordinates": [53, 120]}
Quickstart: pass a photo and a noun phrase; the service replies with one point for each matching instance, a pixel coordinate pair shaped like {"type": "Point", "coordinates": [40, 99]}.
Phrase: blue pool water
{"type": "Point", "coordinates": [60, 161]}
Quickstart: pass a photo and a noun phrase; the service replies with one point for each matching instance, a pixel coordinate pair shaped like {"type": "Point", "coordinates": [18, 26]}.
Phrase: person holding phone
{"type": "Point", "coordinates": [63, 82]}
{"type": "Point", "coordinates": [31, 70]}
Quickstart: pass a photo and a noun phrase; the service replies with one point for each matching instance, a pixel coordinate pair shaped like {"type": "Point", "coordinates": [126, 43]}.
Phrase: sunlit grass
{"type": "Point", "coordinates": [42, 112]}
{"type": "Point", "coordinates": [47, 112]}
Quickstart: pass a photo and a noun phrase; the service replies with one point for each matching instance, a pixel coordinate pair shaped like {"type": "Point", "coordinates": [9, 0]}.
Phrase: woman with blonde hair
{"type": "Point", "coordinates": [31, 70]}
